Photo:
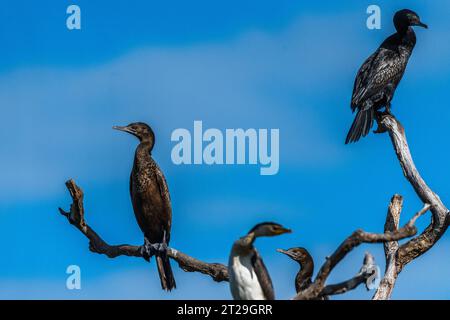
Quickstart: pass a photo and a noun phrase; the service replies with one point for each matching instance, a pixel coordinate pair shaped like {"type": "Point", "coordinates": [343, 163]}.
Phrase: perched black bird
{"type": "Point", "coordinates": [249, 279]}
{"type": "Point", "coordinates": [380, 74]}
{"type": "Point", "coordinates": [306, 262]}
{"type": "Point", "coordinates": [306, 271]}
{"type": "Point", "coordinates": [151, 201]}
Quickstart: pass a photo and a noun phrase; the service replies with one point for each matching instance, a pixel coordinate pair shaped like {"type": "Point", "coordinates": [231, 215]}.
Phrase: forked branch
{"type": "Point", "coordinates": [355, 239]}
{"type": "Point", "coordinates": [397, 257]}
{"type": "Point", "coordinates": [218, 272]}
{"type": "Point", "coordinates": [367, 270]}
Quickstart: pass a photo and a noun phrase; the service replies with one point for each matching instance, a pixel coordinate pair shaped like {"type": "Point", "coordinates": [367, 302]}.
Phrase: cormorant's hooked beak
{"type": "Point", "coordinates": [124, 129]}
{"type": "Point", "coordinates": [286, 252]}
{"type": "Point", "coordinates": [283, 231]}
{"type": "Point", "coordinates": [421, 24]}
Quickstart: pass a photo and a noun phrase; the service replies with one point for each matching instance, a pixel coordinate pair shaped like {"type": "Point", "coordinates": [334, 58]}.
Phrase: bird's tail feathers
{"type": "Point", "coordinates": [165, 272]}
{"type": "Point", "coordinates": [361, 125]}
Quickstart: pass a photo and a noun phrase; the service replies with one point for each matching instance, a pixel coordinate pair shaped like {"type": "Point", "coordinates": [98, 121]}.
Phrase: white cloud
{"type": "Point", "coordinates": [58, 120]}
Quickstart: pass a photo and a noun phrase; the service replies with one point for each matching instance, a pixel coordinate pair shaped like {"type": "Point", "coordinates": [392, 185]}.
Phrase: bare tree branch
{"type": "Point", "coordinates": [364, 274]}
{"type": "Point", "coordinates": [390, 249]}
{"type": "Point", "coordinates": [399, 257]}
{"type": "Point", "coordinates": [354, 240]}
{"type": "Point", "coordinates": [218, 272]}
{"type": "Point", "coordinates": [396, 256]}
{"type": "Point", "coordinates": [398, 138]}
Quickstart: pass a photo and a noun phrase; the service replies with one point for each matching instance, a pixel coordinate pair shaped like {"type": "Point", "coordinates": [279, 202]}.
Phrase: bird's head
{"type": "Point", "coordinates": [407, 18]}
{"type": "Point", "coordinates": [140, 130]}
{"type": "Point", "coordinates": [297, 254]}
{"type": "Point", "coordinates": [268, 229]}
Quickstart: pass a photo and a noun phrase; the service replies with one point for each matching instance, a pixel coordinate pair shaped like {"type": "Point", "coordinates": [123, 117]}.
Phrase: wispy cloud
{"type": "Point", "coordinates": [58, 120]}
{"type": "Point", "coordinates": [57, 124]}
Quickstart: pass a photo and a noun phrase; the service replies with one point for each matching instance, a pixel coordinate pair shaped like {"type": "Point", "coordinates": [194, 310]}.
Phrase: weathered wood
{"type": "Point", "coordinates": [355, 239]}
{"type": "Point", "coordinates": [390, 249]}
{"type": "Point", "coordinates": [398, 257]}
{"type": "Point", "coordinates": [362, 277]}
{"type": "Point", "coordinates": [218, 272]}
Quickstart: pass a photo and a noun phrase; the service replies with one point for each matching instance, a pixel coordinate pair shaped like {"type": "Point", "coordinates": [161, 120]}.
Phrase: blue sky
{"type": "Point", "coordinates": [258, 64]}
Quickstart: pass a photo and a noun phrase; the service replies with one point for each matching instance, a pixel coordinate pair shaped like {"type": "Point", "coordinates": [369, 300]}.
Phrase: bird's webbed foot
{"type": "Point", "coordinates": [149, 249]}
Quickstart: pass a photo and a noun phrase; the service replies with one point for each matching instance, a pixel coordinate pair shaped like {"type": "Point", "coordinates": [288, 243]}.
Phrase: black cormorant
{"type": "Point", "coordinates": [380, 74]}
{"type": "Point", "coordinates": [249, 279]}
{"type": "Point", "coordinates": [151, 201]}
{"type": "Point", "coordinates": [306, 262]}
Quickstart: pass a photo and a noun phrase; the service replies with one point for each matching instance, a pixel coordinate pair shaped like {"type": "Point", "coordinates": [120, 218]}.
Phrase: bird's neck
{"type": "Point", "coordinates": [407, 37]}
{"type": "Point", "coordinates": [145, 146]}
{"type": "Point", "coordinates": [303, 278]}
{"type": "Point", "coordinates": [143, 154]}
{"type": "Point", "coordinates": [244, 245]}
{"type": "Point", "coordinates": [302, 282]}
{"type": "Point", "coordinates": [249, 239]}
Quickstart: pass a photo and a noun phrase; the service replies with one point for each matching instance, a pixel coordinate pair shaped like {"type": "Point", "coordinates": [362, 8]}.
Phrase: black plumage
{"type": "Point", "coordinates": [306, 263]}
{"type": "Point", "coordinates": [379, 76]}
{"type": "Point", "coordinates": [151, 201]}
{"type": "Point", "coordinates": [263, 275]}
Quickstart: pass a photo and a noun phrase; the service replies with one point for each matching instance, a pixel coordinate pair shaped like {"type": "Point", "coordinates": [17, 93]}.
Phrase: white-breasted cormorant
{"type": "Point", "coordinates": [151, 201]}
{"type": "Point", "coordinates": [381, 73]}
{"type": "Point", "coordinates": [249, 279]}
{"type": "Point", "coordinates": [306, 262]}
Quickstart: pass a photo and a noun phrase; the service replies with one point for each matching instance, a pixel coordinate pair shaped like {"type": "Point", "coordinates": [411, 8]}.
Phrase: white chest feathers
{"type": "Point", "coordinates": [244, 282]}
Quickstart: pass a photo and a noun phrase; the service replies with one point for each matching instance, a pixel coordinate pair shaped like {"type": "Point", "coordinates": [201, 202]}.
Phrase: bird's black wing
{"type": "Point", "coordinates": [362, 80]}
{"type": "Point", "coordinates": [263, 275]}
{"type": "Point", "coordinates": [381, 69]}
{"type": "Point", "coordinates": [165, 196]}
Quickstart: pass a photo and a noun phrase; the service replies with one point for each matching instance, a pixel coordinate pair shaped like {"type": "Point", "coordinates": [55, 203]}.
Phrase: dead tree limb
{"type": "Point", "coordinates": [355, 239]}
{"type": "Point", "coordinates": [390, 249]}
{"type": "Point", "coordinates": [363, 276]}
{"type": "Point", "coordinates": [218, 272]}
{"type": "Point", "coordinates": [399, 256]}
